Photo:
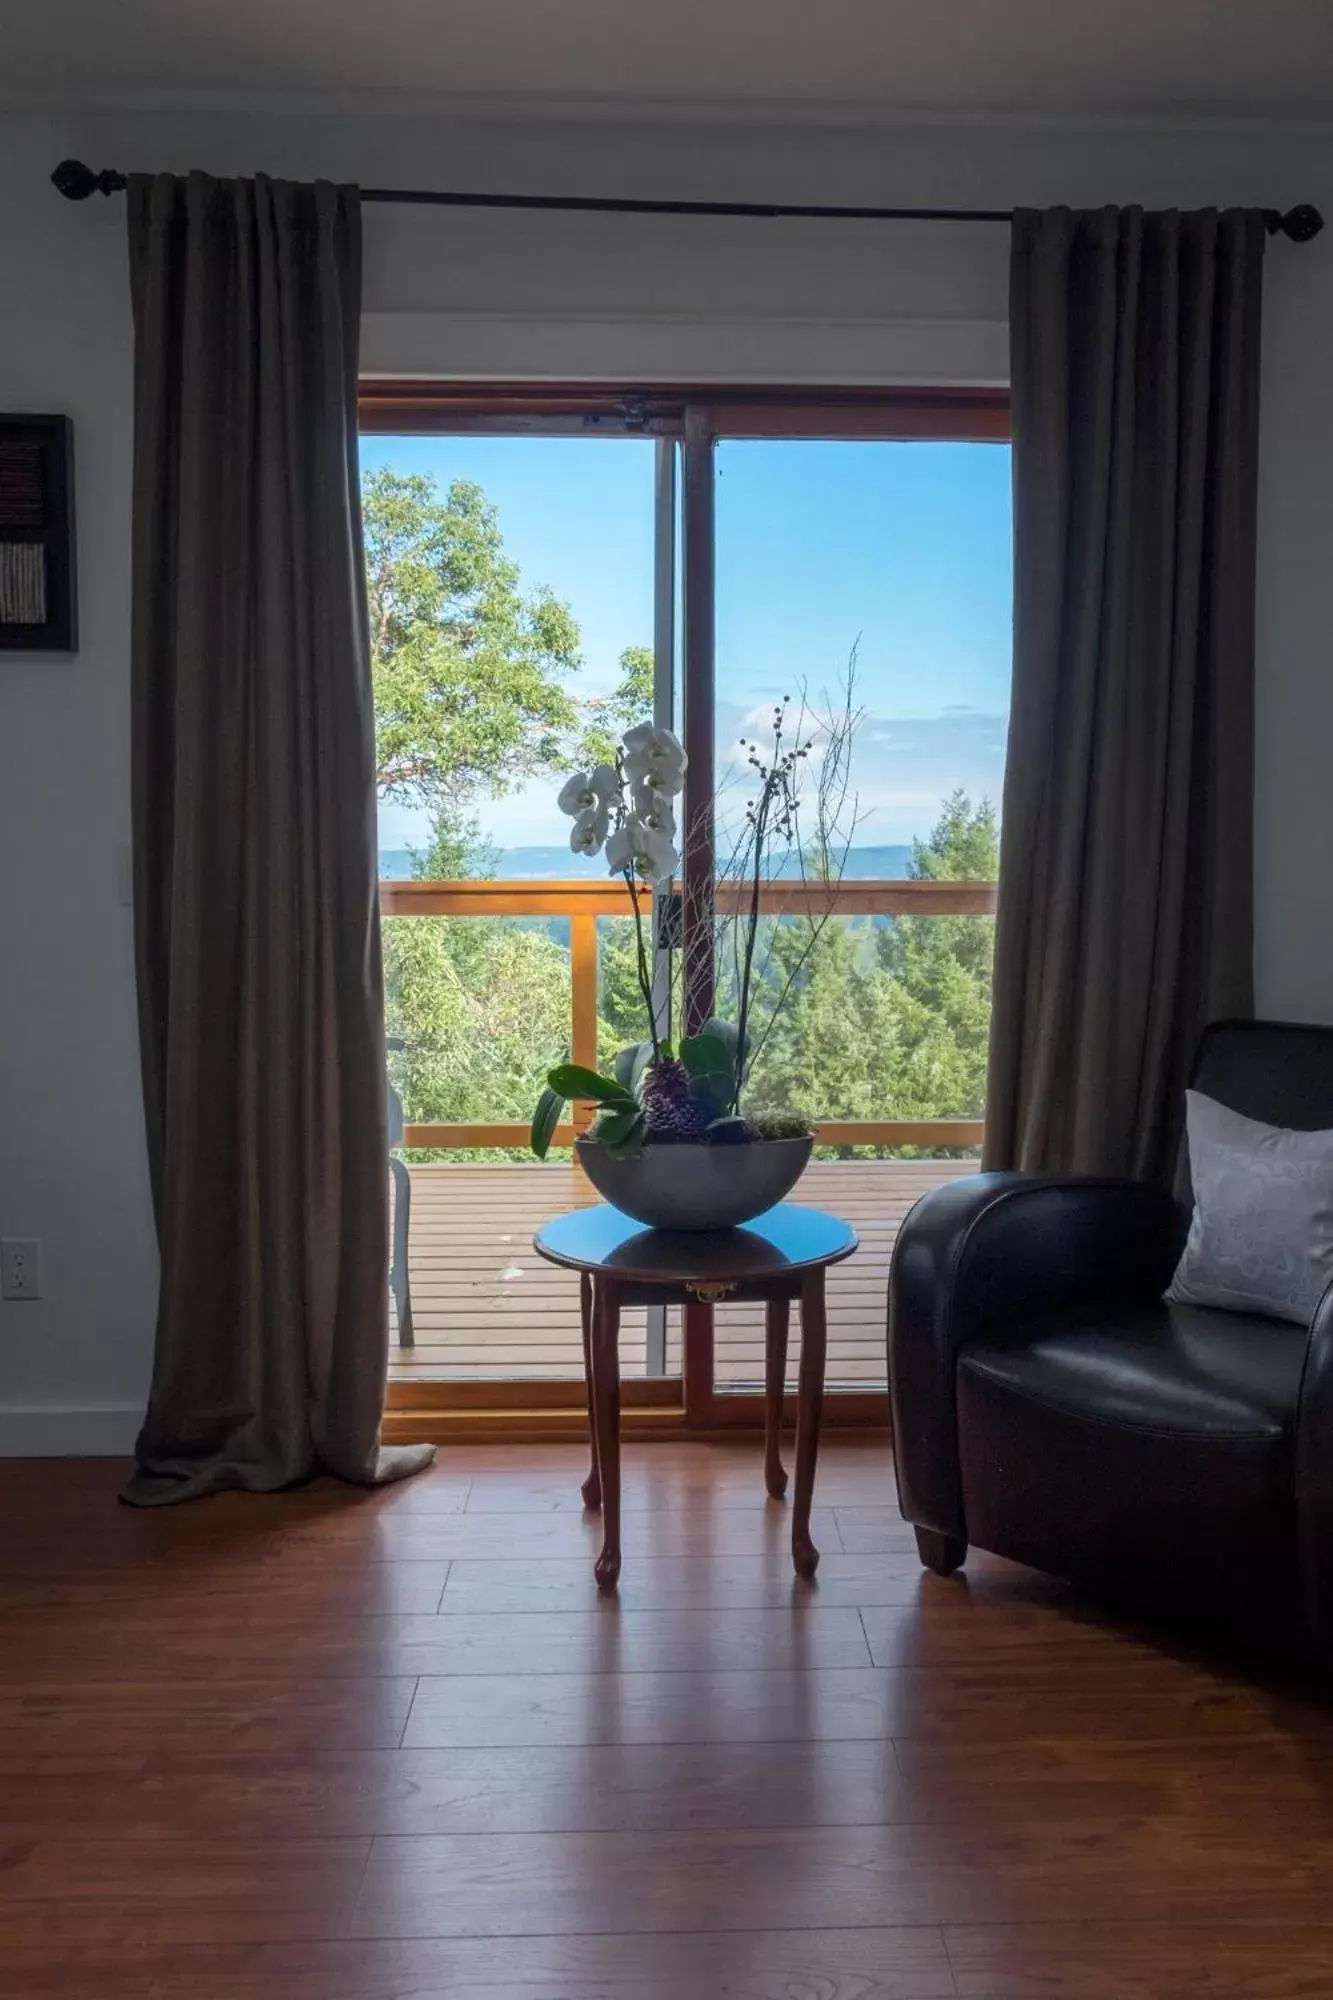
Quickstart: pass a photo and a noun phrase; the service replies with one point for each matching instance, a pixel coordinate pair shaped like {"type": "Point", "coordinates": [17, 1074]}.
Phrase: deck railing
{"type": "Point", "coordinates": [583, 902]}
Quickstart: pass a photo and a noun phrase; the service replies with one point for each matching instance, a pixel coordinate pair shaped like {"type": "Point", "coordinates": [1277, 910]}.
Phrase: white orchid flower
{"type": "Point", "coordinates": [621, 846]}
{"type": "Point", "coordinates": [662, 855]}
{"type": "Point", "coordinates": [658, 780]}
{"type": "Point", "coordinates": [589, 791]}
{"type": "Point", "coordinates": [652, 804]}
{"type": "Point", "coordinates": [655, 753]}
{"type": "Point", "coordinates": [645, 851]}
{"type": "Point", "coordinates": [589, 830]}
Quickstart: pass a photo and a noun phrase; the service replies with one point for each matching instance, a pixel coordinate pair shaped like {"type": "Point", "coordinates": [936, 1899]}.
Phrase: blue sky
{"type": "Point", "coordinates": [900, 549]}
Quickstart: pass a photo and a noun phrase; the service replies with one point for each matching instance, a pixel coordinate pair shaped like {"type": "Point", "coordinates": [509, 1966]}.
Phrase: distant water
{"type": "Point", "coordinates": [556, 864]}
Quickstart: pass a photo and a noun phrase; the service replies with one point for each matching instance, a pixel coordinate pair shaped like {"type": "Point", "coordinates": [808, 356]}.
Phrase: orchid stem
{"type": "Point", "coordinates": [641, 956]}
{"type": "Point", "coordinates": [751, 933]}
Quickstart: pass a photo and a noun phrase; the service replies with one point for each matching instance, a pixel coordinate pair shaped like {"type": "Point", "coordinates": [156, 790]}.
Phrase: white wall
{"type": "Point", "coordinates": [561, 297]}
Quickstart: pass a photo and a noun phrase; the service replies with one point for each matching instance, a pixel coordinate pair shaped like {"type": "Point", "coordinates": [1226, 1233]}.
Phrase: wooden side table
{"type": "Point", "coordinates": [781, 1256]}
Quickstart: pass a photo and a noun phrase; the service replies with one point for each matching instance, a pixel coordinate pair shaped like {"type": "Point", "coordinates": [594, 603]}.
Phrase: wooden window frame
{"type": "Point", "coordinates": [401, 408]}
{"type": "Point", "coordinates": [699, 415]}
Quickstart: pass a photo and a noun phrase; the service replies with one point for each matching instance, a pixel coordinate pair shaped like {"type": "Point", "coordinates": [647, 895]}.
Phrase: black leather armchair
{"type": "Point", "coordinates": [1050, 1407]}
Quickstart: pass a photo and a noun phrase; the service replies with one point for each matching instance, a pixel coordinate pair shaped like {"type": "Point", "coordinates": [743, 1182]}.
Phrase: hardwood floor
{"type": "Point", "coordinates": [346, 1746]}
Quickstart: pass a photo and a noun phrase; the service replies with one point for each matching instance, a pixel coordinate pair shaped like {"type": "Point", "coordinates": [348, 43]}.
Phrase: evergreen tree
{"type": "Point", "coordinates": [944, 963]}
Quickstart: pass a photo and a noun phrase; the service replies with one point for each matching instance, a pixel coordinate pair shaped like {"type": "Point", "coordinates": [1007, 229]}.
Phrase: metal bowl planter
{"type": "Point", "coordinates": [690, 1185]}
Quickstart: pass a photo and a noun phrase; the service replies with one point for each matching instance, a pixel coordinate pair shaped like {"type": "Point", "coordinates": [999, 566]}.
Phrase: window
{"type": "Point", "coordinates": [587, 557]}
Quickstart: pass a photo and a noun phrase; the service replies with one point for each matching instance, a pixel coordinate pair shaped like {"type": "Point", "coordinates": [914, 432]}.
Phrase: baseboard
{"type": "Point", "coordinates": [100, 1430]}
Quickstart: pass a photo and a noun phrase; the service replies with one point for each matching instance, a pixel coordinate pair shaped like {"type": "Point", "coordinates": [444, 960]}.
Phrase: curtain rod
{"type": "Point", "coordinates": [77, 181]}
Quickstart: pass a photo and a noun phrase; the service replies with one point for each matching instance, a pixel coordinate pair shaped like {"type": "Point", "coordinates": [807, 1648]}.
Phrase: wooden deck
{"type": "Point", "coordinates": [485, 1305]}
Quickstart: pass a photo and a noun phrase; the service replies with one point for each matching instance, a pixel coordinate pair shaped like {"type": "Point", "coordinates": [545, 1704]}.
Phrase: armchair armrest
{"type": "Point", "coordinates": [992, 1249]}
{"type": "Point", "coordinates": [1314, 1478]}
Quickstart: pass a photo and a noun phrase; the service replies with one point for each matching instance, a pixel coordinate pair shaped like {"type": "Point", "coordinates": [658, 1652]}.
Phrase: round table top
{"type": "Point", "coordinates": [786, 1238]}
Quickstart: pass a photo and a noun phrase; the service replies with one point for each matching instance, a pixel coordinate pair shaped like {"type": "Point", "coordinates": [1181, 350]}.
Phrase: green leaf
{"type": "Point", "coordinates": [710, 1060]}
{"type": "Point", "coordinates": [708, 1055]}
{"type": "Point", "coordinates": [713, 1092]}
{"type": "Point", "coordinates": [573, 1080]}
{"type": "Point", "coordinates": [620, 1131]}
{"type": "Point", "coordinates": [545, 1119]}
{"type": "Point", "coordinates": [723, 1081]}
{"type": "Point", "coordinates": [630, 1064]}
{"type": "Point", "coordinates": [718, 1030]}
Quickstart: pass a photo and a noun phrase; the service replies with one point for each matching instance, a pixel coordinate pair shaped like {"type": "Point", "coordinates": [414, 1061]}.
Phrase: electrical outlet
{"type": "Point", "coordinates": [20, 1268]}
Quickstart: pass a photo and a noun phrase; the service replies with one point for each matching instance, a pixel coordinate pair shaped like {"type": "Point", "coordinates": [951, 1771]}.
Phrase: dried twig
{"type": "Point", "coordinates": [773, 821]}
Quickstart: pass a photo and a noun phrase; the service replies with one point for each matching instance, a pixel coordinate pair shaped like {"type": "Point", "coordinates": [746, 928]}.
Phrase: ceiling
{"type": "Point", "coordinates": [1078, 58]}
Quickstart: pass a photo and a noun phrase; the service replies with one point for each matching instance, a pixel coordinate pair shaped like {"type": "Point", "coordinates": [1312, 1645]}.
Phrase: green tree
{"type": "Point", "coordinates": [472, 677]}
{"type": "Point", "coordinates": [944, 963]}
{"type": "Point", "coordinates": [886, 1018]}
{"type": "Point", "coordinates": [963, 847]}
{"type": "Point", "coordinates": [471, 671]}
{"type": "Point", "coordinates": [483, 1007]}
{"type": "Point", "coordinates": [854, 1042]}
{"type": "Point", "coordinates": [457, 850]}
{"type": "Point", "coordinates": [629, 702]}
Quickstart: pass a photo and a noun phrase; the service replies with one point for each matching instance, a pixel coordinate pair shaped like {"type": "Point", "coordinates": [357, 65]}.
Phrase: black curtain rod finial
{"type": "Point", "coordinates": [1300, 224]}
{"type": "Point", "coordinates": [77, 181]}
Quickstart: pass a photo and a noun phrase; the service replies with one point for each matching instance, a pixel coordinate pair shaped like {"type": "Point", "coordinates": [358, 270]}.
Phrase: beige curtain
{"type": "Point", "coordinates": [255, 897]}
{"type": "Point", "coordinates": [1126, 854]}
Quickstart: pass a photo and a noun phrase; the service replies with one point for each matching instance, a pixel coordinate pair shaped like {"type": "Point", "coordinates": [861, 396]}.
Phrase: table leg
{"type": "Point", "coordinates": [775, 1382]}
{"type": "Point", "coordinates": [606, 1423]}
{"type": "Point", "coordinates": [591, 1488]}
{"type": "Point", "coordinates": [814, 1336]}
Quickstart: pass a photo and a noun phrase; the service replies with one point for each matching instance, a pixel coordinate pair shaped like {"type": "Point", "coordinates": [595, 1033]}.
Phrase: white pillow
{"type": "Point", "coordinates": [1262, 1235]}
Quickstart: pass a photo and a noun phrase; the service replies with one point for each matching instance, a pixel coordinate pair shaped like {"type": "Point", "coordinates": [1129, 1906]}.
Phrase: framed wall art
{"type": "Point", "coordinates": [38, 612]}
